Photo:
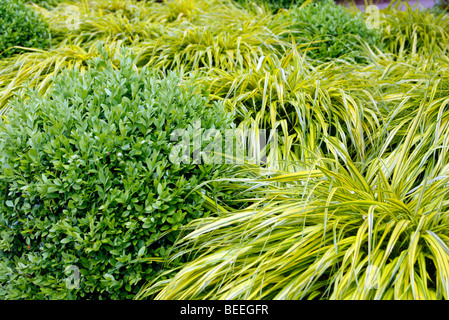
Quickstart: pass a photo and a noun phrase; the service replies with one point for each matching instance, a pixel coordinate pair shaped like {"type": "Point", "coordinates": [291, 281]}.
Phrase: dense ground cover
{"type": "Point", "coordinates": [20, 26]}
{"type": "Point", "coordinates": [351, 201]}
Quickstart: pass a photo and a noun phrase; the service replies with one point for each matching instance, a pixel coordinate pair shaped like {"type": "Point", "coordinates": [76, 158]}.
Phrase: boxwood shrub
{"type": "Point", "coordinates": [21, 26]}
{"type": "Point", "coordinates": [86, 183]}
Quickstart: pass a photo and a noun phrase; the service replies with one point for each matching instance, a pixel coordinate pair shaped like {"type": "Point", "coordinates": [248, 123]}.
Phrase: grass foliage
{"type": "Point", "coordinates": [334, 30]}
{"type": "Point", "coordinates": [354, 201]}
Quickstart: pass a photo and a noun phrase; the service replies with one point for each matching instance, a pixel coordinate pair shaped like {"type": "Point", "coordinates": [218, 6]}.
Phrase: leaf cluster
{"type": "Point", "coordinates": [20, 26]}
{"type": "Point", "coordinates": [87, 180]}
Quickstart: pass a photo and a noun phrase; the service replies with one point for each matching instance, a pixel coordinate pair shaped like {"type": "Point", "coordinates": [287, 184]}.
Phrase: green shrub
{"type": "Point", "coordinates": [20, 26]}
{"type": "Point", "coordinates": [86, 180]}
{"type": "Point", "coordinates": [335, 29]}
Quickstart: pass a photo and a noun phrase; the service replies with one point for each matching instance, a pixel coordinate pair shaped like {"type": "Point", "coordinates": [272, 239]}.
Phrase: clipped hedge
{"type": "Point", "coordinates": [21, 26]}
{"type": "Point", "coordinates": [86, 181]}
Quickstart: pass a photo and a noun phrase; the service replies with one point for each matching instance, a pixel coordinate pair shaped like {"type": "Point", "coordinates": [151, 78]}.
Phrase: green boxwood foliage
{"type": "Point", "coordinates": [334, 27]}
{"type": "Point", "coordinates": [86, 180]}
{"type": "Point", "coordinates": [21, 26]}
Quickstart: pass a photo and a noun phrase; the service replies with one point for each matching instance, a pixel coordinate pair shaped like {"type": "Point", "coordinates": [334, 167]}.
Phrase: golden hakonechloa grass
{"type": "Point", "coordinates": [414, 31]}
{"type": "Point", "coordinates": [339, 230]}
{"type": "Point", "coordinates": [354, 201]}
{"type": "Point", "coordinates": [187, 34]}
{"type": "Point", "coordinates": [361, 212]}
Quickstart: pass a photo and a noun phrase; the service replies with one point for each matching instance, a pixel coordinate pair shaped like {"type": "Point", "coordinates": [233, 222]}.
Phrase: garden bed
{"type": "Point", "coordinates": [218, 149]}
